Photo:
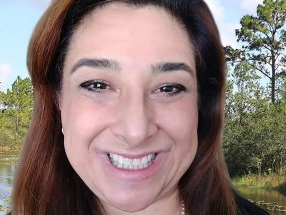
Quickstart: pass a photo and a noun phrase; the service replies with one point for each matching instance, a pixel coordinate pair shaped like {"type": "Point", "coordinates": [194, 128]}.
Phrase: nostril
{"type": "Point", "coordinates": [134, 123]}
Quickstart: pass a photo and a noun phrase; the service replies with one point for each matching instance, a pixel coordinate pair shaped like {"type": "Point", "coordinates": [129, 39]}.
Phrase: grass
{"type": "Point", "coordinates": [267, 182]}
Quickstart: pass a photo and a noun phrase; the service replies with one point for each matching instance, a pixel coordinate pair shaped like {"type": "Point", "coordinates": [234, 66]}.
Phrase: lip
{"type": "Point", "coordinates": [132, 175]}
{"type": "Point", "coordinates": [132, 156]}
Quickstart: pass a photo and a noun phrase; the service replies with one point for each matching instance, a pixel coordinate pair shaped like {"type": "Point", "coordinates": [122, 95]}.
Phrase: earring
{"type": "Point", "coordinates": [63, 130]}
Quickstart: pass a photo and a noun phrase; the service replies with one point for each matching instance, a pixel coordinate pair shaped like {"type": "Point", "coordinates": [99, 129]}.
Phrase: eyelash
{"type": "Point", "coordinates": [170, 89]}
{"type": "Point", "coordinates": [96, 86]}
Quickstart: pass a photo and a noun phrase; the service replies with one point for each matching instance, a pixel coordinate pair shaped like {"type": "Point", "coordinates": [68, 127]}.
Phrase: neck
{"type": "Point", "coordinates": [169, 205]}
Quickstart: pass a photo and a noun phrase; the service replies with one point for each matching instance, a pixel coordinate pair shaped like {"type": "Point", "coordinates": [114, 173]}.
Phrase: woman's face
{"type": "Point", "coordinates": [129, 105]}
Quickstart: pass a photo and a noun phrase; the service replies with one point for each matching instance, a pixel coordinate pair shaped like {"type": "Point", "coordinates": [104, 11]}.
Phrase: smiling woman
{"type": "Point", "coordinates": [128, 112]}
{"type": "Point", "coordinates": [139, 94]}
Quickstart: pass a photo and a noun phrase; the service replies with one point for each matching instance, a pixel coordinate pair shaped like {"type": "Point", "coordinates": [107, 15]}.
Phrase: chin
{"type": "Point", "coordinates": [129, 203]}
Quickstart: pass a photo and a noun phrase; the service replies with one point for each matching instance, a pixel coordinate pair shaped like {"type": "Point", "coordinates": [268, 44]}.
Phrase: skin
{"type": "Point", "coordinates": [125, 109]}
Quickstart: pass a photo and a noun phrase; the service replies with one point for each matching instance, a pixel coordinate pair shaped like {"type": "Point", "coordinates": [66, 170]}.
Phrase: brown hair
{"type": "Point", "coordinates": [47, 184]}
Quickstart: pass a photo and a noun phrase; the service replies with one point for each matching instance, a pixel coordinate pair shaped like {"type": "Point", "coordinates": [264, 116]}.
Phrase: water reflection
{"type": "Point", "coordinates": [266, 199]}
{"type": "Point", "coordinates": [8, 163]}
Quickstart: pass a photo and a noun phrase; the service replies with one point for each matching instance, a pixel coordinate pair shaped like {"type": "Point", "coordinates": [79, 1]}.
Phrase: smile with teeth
{"type": "Point", "coordinates": [132, 164]}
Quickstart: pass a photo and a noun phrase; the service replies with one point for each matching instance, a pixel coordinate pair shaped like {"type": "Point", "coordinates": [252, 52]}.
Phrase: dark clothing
{"type": "Point", "coordinates": [248, 208]}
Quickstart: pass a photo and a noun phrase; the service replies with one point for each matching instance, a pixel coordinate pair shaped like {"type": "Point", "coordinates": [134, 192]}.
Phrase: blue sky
{"type": "Point", "coordinates": [18, 18]}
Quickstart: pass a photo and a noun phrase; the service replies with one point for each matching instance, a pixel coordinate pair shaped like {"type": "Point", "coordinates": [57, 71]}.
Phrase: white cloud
{"type": "Point", "coordinates": [216, 8]}
{"type": "Point", "coordinates": [226, 28]}
{"type": "Point", "coordinates": [5, 73]}
{"type": "Point", "coordinates": [227, 33]}
{"type": "Point", "coordinates": [250, 6]}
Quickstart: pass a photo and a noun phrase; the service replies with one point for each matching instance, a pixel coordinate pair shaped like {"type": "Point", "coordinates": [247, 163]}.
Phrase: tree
{"type": "Point", "coordinates": [244, 99]}
{"type": "Point", "coordinates": [283, 97]}
{"type": "Point", "coordinates": [263, 39]}
{"type": "Point", "coordinates": [254, 134]}
{"type": "Point", "coordinates": [2, 119]}
{"type": "Point", "coordinates": [17, 104]}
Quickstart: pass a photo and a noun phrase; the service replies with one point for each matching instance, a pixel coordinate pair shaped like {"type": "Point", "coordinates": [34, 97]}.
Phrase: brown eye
{"type": "Point", "coordinates": [171, 89]}
{"type": "Point", "coordinates": [94, 86]}
{"type": "Point", "coordinates": [168, 89]}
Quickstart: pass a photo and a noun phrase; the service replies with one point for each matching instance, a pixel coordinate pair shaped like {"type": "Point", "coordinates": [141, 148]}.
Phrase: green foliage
{"type": "Point", "coordinates": [255, 123]}
{"type": "Point", "coordinates": [254, 135]}
{"type": "Point", "coordinates": [263, 39]}
{"type": "Point", "coordinates": [15, 111]}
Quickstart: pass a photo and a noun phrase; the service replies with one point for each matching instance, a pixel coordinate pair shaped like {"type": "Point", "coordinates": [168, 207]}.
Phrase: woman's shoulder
{"type": "Point", "coordinates": [248, 208]}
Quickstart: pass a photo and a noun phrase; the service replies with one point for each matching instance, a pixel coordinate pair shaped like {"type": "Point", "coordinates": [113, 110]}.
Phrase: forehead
{"type": "Point", "coordinates": [118, 30]}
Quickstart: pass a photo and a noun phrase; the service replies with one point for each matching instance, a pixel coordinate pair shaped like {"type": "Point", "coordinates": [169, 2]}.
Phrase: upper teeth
{"type": "Point", "coordinates": [127, 163]}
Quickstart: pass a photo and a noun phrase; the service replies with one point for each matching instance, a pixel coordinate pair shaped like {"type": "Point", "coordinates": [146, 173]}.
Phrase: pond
{"type": "Point", "coordinates": [272, 201]}
{"type": "Point", "coordinates": [8, 163]}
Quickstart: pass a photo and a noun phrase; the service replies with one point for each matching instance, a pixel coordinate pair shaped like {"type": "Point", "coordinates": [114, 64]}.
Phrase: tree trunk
{"type": "Point", "coordinates": [273, 77]}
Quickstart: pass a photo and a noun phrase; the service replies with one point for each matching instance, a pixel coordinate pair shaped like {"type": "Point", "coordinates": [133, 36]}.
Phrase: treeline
{"type": "Point", "coordinates": [16, 107]}
{"type": "Point", "coordinates": [255, 110]}
{"type": "Point", "coordinates": [255, 129]}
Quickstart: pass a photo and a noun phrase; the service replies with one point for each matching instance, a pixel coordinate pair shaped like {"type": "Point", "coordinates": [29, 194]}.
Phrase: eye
{"type": "Point", "coordinates": [97, 86]}
{"type": "Point", "coordinates": [170, 90]}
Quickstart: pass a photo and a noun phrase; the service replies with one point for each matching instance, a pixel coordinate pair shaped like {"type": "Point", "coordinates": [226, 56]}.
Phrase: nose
{"type": "Point", "coordinates": [135, 121]}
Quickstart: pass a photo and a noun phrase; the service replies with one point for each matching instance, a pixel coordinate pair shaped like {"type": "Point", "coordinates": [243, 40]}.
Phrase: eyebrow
{"type": "Point", "coordinates": [114, 65]}
{"type": "Point", "coordinates": [97, 64]}
{"type": "Point", "coordinates": [172, 66]}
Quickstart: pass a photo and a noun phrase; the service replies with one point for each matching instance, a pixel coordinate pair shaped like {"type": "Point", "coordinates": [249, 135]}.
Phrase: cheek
{"type": "Point", "coordinates": [82, 119]}
{"type": "Point", "coordinates": [180, 123]}
{"type": "Point", "coordinates": [180, 120]}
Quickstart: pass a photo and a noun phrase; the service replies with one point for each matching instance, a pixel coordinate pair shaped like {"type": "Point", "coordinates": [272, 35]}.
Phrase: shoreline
{"type": "Point", "coordinates": [273, 181]}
